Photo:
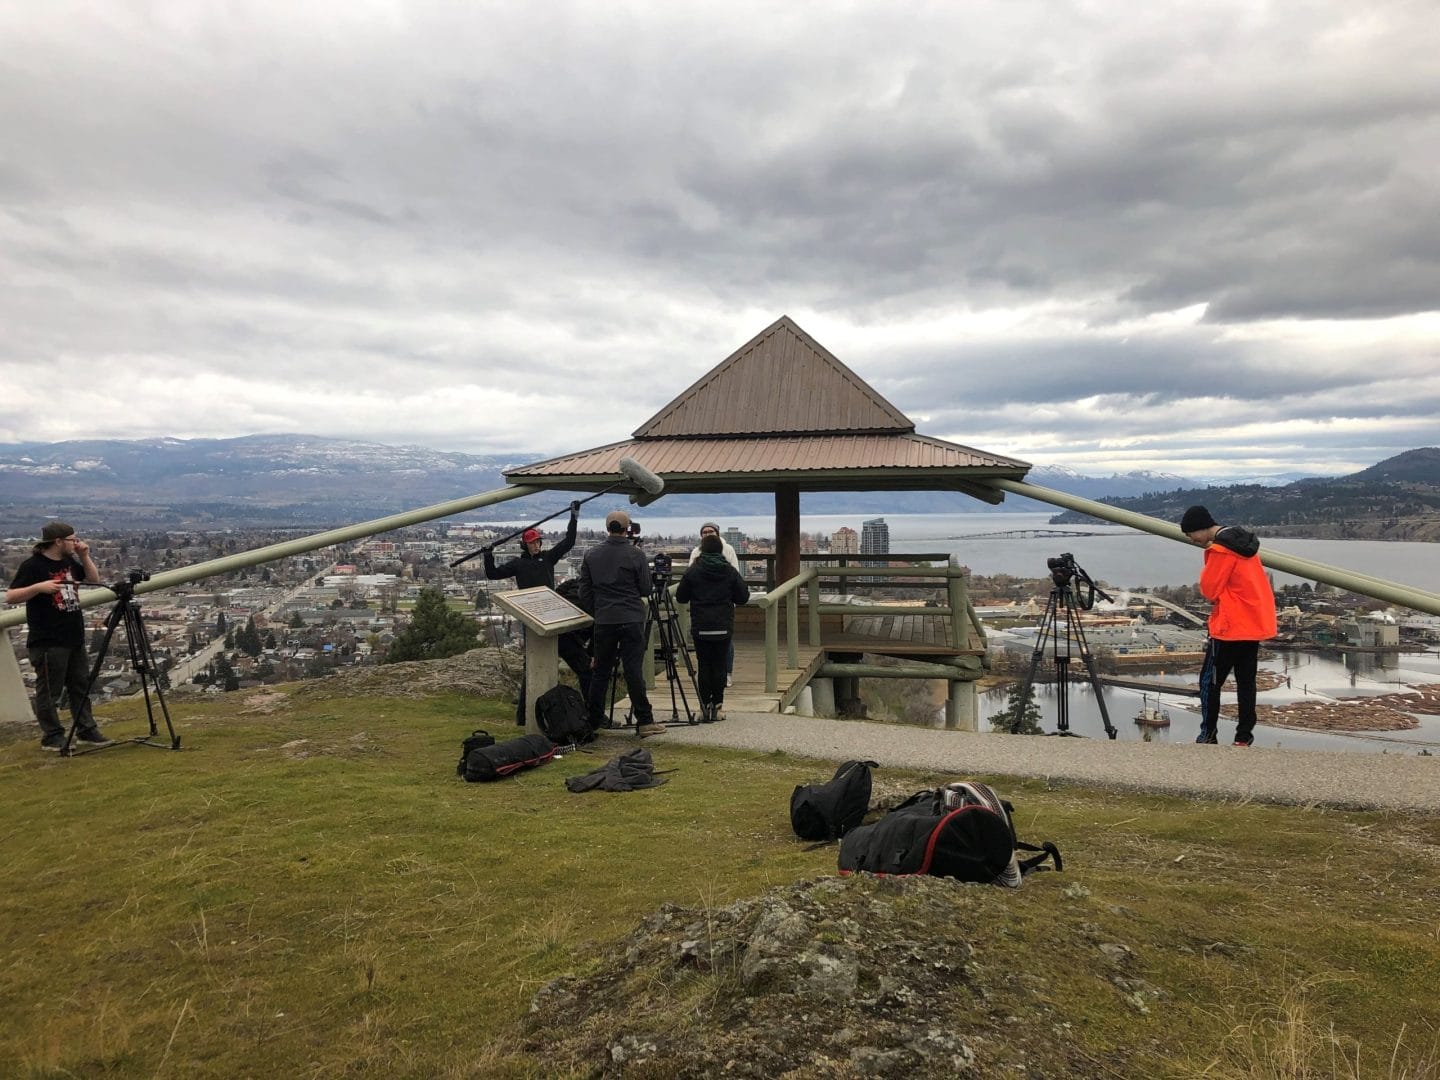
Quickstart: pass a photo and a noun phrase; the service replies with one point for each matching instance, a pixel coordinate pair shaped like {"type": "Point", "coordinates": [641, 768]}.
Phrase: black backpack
{"type": "Point", "coordinates": [486, 763]}
{"type": "Point", "coordinates": [962, 831]}
{"type": "Point", "coordinates": [828, 811]}
{"type": "Point", "coordinates": [474, 741]}
{"type": "Point", "coordinates": [562, 715]}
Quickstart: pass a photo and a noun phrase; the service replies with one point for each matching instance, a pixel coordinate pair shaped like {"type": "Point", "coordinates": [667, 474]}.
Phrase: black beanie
{"type": "Point", "coordinates": [1195, 519]}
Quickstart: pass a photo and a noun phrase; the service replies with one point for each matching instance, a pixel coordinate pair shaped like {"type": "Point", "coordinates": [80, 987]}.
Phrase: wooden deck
{"type": "Point", "coordinates": [914, 636]}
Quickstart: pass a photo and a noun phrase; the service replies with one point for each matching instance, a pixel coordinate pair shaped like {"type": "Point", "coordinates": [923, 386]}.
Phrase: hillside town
{"type": "Point", "coordinates": [305, 616]}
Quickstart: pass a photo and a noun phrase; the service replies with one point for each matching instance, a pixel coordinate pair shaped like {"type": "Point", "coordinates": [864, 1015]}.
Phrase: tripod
{"type": "Point", "coordinates": [142, 661]}
{"type": "Point", "coordinates": [1062, 598]}
{"type": "Point", "coordinates": [661, 616]}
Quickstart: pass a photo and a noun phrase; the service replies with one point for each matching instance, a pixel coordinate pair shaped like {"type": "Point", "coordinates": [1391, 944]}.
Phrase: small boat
{"type": "Point", "coordinates": [1152, 715]}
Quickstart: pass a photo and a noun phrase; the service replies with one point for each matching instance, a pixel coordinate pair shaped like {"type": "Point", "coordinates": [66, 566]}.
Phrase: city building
{"type": "Point", "coordinates": [844, 541]}
{"type": "Point", "coordinates": [875, 538]}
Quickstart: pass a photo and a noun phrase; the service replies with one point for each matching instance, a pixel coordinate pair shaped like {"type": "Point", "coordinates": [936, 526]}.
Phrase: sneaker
{"type": "Point", "coordinates": [652, 728]}
{"type": "Point", "coordinates": [93, 738]}
{"type": "Point", "coordinates": [1243, 742]}
{"type": "Point", "coordinates": [53, 743]}
{"type": "Point", "coordinates": [727, 682]}
{"type": "Point", "coordinates": [1206, 736]}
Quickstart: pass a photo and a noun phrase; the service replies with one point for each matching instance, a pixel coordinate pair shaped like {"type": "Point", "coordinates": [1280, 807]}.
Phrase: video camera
{"type": "Point", "coordinates": [633, 532]}
{"type": "Point", "coordinates": [1063, 569]}
{"type": "Point", "coordinates": [1066, 573]}
{"type": "Point", "coordinates": [126, 585]}
{"type": "Point", "coordinates": [660, 567]}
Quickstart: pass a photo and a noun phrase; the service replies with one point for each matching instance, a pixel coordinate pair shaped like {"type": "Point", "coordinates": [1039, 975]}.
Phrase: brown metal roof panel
{"type": "Point", "coordinates": [781, 380]}
{"type": "Point", "coordinates": [712, 457]}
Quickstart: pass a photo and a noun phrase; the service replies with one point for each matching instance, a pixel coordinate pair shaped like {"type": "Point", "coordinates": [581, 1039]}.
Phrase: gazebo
{"type": "Point", "coordinates": [783, 415]}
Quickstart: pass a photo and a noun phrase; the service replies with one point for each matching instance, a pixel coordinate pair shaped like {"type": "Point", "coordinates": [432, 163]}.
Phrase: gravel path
{"type": "Point", "coordinates": [1298, 777]}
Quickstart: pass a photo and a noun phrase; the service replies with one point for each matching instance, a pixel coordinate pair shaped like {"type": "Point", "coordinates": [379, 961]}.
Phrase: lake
{"type": "Point", "coordinates": [1120, 556]}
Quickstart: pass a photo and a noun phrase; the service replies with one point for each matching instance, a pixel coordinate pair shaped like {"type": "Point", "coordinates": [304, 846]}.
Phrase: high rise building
{"type": "Point", "coordinates": [874, 537]}
{"type": "Point", "coordinates": [844, 541]}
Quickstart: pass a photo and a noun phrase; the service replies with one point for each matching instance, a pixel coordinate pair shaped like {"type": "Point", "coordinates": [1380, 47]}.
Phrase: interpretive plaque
{"type": "Point", "coordinates": [543, 610]}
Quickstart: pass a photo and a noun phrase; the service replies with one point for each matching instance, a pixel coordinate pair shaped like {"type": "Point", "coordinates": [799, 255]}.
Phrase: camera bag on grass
{"type": "Point", "coordinates": [828, 811]}
{"type": "Point", "coordinates": [478, 738]}
{"type": "Point", "coordinates": [562, 715]}
{"type": "Point", "coordinates": [962, 831]}
{"type": "Point", "coordinates": [486, 763]}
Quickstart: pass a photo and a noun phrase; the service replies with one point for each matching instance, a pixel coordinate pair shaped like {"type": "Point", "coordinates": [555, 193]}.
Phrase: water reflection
{"type": "Point", "coordinates": [1308, 675]}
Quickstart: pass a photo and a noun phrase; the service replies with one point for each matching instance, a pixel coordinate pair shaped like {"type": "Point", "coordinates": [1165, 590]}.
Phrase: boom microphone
{"type": "Point", "coordinates": [651, 486]}
{"type": "Point", "coordinates": [643, 478]}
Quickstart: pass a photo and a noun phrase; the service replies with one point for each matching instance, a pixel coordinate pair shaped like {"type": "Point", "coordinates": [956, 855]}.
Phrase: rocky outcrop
{"type": "Point", "coordinates": [836, 977]}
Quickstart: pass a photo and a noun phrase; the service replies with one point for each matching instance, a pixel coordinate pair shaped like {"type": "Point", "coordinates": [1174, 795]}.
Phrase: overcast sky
{"type": "Point", "coordinates": [1195, 238]}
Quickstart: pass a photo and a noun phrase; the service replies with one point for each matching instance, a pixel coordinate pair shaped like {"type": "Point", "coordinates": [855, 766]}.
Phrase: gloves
{"type": "Point", "coordinates": [574, 508]}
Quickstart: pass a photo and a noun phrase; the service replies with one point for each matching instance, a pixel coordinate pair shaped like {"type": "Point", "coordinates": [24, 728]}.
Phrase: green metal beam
{"type": "Point", "coordinates": [1390, 591]}
{"type": "Point", "coordinates": [240, 560]}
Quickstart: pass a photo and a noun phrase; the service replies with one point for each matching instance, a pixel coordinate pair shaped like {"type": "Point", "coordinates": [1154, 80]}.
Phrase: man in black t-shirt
{"type": "Point", "coordinates": [46, 584]}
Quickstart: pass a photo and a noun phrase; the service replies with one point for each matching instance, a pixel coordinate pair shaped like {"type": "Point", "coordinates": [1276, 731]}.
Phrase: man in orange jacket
{"type": "Point", "coordinates": [1242, 614]}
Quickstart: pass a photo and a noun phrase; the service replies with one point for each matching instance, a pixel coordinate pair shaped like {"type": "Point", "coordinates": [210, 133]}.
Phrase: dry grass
{"type": "Point", "coordinates": [235, 910]}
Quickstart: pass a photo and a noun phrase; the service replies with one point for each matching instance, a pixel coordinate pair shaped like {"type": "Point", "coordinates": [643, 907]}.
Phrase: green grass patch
{"type": "Point", "coordinates": [309, 890]}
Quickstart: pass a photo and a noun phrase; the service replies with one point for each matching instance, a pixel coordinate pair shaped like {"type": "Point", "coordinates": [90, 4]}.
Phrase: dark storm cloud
{"type": "Point", "coordinates": [376, 220]}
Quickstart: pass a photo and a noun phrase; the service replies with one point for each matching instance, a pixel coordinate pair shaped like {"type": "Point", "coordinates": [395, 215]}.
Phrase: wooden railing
{"type": "Point", "coordinates": [958, 611]}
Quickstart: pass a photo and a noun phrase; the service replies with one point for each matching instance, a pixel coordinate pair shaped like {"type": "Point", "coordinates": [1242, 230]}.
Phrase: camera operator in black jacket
{"type": "Point", "coordinates": [712, 588]}
{"type": "Point", "coordinates": [535, 567]}
{"type": "Point", "coordinates": [614, 588]}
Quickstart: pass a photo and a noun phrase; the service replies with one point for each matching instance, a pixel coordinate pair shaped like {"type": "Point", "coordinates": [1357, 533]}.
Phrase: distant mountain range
{"type": "Point", "coordinates": [1395, 499]}
{"type": "Point", "coordinates": [304, 481]}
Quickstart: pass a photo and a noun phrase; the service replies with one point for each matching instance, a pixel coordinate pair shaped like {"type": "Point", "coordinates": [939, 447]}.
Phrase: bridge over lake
{"type": "Point", "coordinates": [1021, 534]}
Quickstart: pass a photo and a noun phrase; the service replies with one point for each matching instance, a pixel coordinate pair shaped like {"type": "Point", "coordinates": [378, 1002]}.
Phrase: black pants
{"type": "Point", "coordinates": [627, 641]}
{"type": "Point", "coordinates": [61, 668]}
{"type": "Point", "coordinates": [710, 656]}
{"type": "Point", "coordinates": [1222, 658]}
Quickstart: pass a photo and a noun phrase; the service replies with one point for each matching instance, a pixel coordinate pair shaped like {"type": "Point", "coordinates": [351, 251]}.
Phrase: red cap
{"type": "Point", "coordinates": [528, 535]}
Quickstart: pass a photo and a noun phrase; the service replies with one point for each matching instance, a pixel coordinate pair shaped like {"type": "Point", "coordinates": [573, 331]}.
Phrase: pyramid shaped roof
{"type": "Point", "coordinates": [814, 394]}
{"type": "Point", "coordinates": [781, 411]}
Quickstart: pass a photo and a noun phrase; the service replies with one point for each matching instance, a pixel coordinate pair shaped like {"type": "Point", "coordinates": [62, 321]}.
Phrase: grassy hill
{"type": "Point", "coordinates": [306, 889]}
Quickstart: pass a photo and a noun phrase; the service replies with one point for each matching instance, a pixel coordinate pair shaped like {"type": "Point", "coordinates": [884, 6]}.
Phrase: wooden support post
{"type": "Point", "coordinates": [812, 591]}
{"type": "Point", "coordinates": [962, 707]}
{"type": "Point", "coordinates": [787, 532]}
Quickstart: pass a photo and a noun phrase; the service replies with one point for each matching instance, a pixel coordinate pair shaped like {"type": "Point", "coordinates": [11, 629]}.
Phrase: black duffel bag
{"type": "Point", "coordinates": [961, 831]}
{"type": "Point", "coordinates": [486, 763]}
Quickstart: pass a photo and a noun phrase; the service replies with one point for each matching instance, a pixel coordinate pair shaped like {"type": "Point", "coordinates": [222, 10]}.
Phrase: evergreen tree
{"type": "Point", "coordinates": [248, 638]}
{"type": "Point", "coordinates": [270, 642]}
{"type": "Point", "coordinates": [220, 624]}
{"type": "Point", "coordinates": [434, 631]}
{"type": "Point", "coordinates": [296, 622]}
{"type": "Point", "coordinates": [1029, 714]}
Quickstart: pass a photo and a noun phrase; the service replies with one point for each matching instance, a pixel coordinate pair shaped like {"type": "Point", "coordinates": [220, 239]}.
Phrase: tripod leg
{"type": "Point", "coordinates": [1047, 621]}
{"type": "Point", "coordinates": [142, 659]}
{"type": "Point", "coordinates": [1089, 660]}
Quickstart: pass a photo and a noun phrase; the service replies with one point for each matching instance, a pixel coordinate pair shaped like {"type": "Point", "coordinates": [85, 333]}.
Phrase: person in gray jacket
{"type": "Point", "coordinates": [614, 588]}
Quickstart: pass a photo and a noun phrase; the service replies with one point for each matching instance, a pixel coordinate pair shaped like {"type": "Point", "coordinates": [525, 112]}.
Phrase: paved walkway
{"type": "Point", "coordinates": [1390, 781]}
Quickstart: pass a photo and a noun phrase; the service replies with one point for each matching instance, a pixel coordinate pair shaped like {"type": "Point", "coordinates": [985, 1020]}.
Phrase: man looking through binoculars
{"type": "Point", "coordinates": [46, 584]}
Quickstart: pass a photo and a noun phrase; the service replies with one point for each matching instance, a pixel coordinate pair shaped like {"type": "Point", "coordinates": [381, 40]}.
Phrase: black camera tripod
{"type": "Point", "coordinates": [142, 660]}
{"type": "Point", "coordinates": [1067, 577]}
{"type": "Point", "coordinates": [662, 618]}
